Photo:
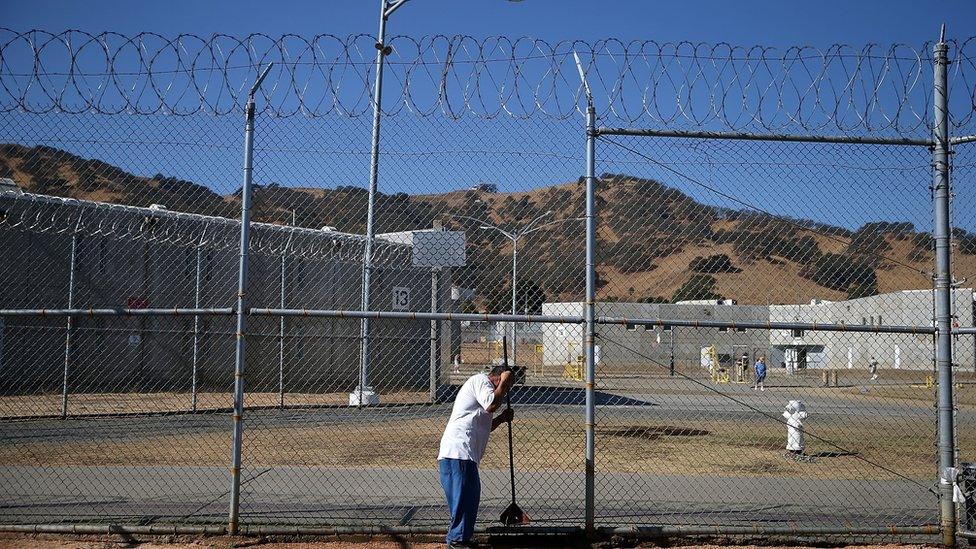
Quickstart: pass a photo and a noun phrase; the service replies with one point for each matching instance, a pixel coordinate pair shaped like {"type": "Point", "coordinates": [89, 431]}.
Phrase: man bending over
{"type": "Point", "coordinates": [463, 445]}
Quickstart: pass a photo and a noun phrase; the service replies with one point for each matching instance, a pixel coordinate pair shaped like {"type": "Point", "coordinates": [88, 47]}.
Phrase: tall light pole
{"type": "Point", "coordinates": [942, 233]}
{"type": "Point", "coordinates": [387, 7]}
{"type": "Point", "coordinates": [382, 50]}
{"type": "Point", "coordinates": [515, 236]}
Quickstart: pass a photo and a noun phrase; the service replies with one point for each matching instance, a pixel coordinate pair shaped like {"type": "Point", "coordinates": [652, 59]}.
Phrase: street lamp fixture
{"type": "Point", "coordinates": [515, 236]}
{"type": "Point", "coordinates": [363, 393]}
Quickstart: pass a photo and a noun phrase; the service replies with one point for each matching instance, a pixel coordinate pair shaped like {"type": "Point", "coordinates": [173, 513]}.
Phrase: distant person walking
{"type": "Point", "coordinates": [873, 369]}
{"type": "Point", "coordinates": [760, 373]}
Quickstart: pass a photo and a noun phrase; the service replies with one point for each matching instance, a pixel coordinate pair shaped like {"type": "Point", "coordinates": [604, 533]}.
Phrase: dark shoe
{"type": "Point", "coordinates": [460, 545]}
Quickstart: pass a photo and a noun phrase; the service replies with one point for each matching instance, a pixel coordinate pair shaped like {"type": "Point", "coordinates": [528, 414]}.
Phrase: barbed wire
{"type": "Point", "coordinates": [874, 88]}
{"type": "Point", "coordinates": [68, 216]}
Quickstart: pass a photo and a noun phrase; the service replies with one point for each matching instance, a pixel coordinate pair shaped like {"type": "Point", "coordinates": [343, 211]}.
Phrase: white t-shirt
{"type": "Point", "coordinates": [466, 434]}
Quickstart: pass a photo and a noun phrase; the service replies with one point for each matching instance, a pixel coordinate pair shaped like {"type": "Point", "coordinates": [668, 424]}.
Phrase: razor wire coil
{"type": "Point", "coordinates": [871, 89]}
{"type": "Point", "coordinates": [68, 216]}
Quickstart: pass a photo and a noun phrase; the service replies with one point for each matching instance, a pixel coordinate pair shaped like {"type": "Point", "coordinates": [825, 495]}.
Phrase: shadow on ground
{"type": "Point", "coordinates": [553, 396]}
{"type": "Point", "coordinates": [653, 432]}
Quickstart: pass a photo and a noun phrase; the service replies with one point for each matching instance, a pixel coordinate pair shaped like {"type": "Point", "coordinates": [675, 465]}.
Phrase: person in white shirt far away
{"type": "Point", "coordinates": [463, 445]}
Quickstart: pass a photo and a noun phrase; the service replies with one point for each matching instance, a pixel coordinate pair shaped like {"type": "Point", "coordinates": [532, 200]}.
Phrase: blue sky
{"type": "Point", "coordinates": [844, 187]}
{"type": "Point", "coordinates": [777, 22]}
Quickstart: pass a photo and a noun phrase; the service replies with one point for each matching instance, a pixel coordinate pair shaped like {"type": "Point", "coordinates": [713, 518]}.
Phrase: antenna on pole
{"type": "Point", "coordinates": [942, 34]}
{"type": "Point", "coordinates": [582, 75]}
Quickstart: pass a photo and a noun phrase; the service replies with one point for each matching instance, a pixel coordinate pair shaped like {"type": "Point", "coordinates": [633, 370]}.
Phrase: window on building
{"type": "Point", "coordinates": [742, 330]}
{"type": "Point", "coordinates": [871, 318]}
{"type": "Point", "coordinates": [665, 328]}
{"type": "Point", "coordinates": [796, 333]}
{"type": "Point", "coordinates": [648, 327]}
{"type": "Point", "coordinates": [879, 320]}
{"type": "Point", "coordinates": [631, 327]}
{"type": "Point", "coordinates": [723, 329]}
{"type": "Point", "coordinates": [864, 321]}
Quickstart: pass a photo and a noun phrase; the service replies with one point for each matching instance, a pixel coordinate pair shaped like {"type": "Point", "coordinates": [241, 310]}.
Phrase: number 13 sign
{"type": "Point", "coordinates": [401, 299]}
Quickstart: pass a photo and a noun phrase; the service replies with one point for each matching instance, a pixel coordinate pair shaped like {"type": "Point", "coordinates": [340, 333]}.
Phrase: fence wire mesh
{"type": "Point", "coordinates": [963, 248]}
{"type": "Point", "coordinates": [712, 230]}
{"type": "Point", "coordinates": [124, 155]}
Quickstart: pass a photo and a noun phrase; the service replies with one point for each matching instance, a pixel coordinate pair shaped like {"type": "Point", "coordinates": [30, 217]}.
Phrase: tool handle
{"type": "Point", "coordinates": [508, 404]}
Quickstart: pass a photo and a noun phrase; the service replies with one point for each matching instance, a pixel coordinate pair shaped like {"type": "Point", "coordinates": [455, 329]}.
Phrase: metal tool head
{"type": "Point", "coordinates": [513, 515]}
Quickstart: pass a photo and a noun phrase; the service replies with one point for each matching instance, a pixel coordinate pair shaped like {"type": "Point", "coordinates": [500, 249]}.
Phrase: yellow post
{"type": "Point", "coordinates": [713, 362]}
{"type": "Point", "coordinates": [541, 358]}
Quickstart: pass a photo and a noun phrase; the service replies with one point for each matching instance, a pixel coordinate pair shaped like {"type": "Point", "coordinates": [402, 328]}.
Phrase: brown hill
{"type": "Point", "coordinates": [654, 242]}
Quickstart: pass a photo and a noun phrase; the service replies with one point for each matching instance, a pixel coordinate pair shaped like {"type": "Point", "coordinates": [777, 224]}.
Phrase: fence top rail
{"type": "Point", "coordinates": [808, 326]}
{"type": "Point", "coordinates": [487, 317]}
{"type": "Point", "coordinates": [745, 136]}
{"type": "Point", "coordinates": [962, 139]}
{"type": "Point", "coordinates": [411, 315]}
{"type": "Point", "coordinates": [118, 311]}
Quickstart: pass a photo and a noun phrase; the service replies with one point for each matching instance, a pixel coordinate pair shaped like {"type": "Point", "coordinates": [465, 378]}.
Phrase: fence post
{"type": "Point", "coordinates": [71, 324]}
{"type": "Point", "coordinates": [196, 329]}
{"type": "Point", "coordinates": [281, 321]}
{"type": "Point", "coordinates": [196, 319]}
{"type": "Point", "coordinates": [281, 340]}
{"type": "Point", "coordinates": [943, 290]}
{"type": "Point", "coordinates": [590, 336]}
{"type": "Point", "coordinates": [435, 327]}
{"type": "Point", "coordinates": [242, 282]}
{"type": "Point", "coordinates": [374, 172]}
{"type": "Point", "coordinates": [514, 324]}
{"type": "Point", "coordinates": [589, 309]}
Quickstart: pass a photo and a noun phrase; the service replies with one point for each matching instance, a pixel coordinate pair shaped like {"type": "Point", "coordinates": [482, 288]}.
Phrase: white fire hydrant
{"type": "Point", "coordinates": [795, 413]}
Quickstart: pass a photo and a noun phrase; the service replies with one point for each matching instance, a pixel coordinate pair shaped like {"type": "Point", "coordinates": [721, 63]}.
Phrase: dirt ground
{"type": "Point", "coordinates": [26, 406]}
{"type": "Point", "coordinates": [897, 385]}
{"type": "Point", "coordinates": [841, 449]}
{"type": "Point", "coordinates": [11, 541]}
{"type": "Point", "coordinates": [634, 445]}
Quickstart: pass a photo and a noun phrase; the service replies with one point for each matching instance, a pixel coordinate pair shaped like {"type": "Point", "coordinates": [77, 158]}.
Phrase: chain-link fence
{"type": "Point", "coordinates": [729, 317]}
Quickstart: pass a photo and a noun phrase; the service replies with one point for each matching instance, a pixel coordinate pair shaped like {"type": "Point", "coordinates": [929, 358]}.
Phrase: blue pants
{"type": "Point", "coordinates": [462, 486]}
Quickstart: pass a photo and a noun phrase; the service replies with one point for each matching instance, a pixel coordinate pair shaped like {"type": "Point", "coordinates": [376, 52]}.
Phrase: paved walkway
{"type": "Point", "coordinates": [363, 496]}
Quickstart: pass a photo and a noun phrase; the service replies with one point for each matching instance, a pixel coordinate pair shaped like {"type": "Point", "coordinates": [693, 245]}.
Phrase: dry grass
{"type": "Point", "coordinates": [722, 448]}
{"type": "Point", "coordinates": [555, 442]}
{"type": "Point", "coordinates": [143, 403]}
{"type": "Point", "coordinates": [484, 353]}
{"type": "Point", "coordinates": [901, 385]}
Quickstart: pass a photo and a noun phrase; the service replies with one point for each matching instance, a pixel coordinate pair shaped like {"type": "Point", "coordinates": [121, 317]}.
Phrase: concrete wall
{"type": "Point", "coordinates": [149, 354]}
